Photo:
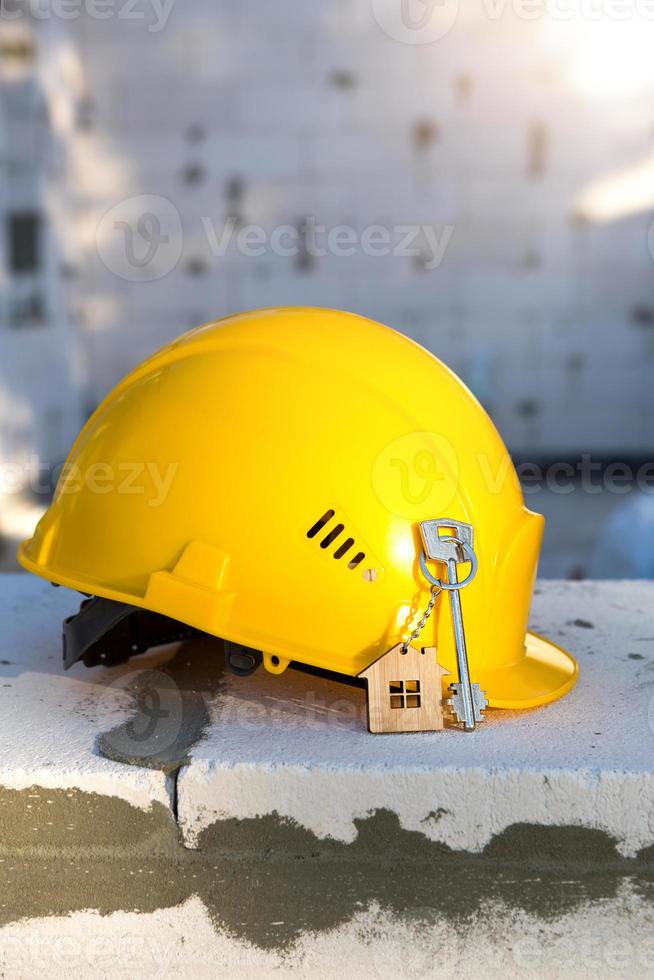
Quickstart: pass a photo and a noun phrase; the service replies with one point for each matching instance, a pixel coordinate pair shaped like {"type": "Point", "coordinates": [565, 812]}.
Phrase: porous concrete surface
{"type": "Point", "coordinates": [613, 940]}
{"type": "Point", "coordinates": [259, 830]}
{"type": "Point", "coordinates": [50, 721]}
{"type": "Point", "coordinates": [298, 746]}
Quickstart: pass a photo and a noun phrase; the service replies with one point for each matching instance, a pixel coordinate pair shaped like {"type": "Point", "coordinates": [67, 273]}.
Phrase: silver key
{"type": "Point", "coordinates": [452, 548]}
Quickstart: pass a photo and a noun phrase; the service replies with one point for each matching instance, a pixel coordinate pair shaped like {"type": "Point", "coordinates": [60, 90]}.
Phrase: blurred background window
{"type": "Point", "coordinates": [24, 241]}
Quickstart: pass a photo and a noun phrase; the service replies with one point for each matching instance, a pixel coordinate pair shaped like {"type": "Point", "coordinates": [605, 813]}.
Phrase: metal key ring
{"type": "Point", "coordinates": [451, 586]}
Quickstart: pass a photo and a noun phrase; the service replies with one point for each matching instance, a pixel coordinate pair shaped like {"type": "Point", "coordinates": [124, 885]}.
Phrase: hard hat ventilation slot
{"type": "Point", "coordinates": [343, 547]}
{"type": "Point", "coordinates": [333, 534]}
{"type": "Point", "coordinates": [319, 525]}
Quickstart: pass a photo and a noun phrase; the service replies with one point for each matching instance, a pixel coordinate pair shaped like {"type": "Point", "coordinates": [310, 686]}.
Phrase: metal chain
{"type": "Point", "coordinates": [435, 592]}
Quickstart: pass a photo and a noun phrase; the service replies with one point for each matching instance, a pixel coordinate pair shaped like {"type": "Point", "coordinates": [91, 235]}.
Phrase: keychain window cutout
{"type": "Point", "coordinates": [404, 694]}
{"type": "Point", "coordinates": [409, 679]}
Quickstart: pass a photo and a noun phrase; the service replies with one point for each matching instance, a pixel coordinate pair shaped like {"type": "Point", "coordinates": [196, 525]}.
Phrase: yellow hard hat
{"type": "Point", "coordinates": [263, 479]}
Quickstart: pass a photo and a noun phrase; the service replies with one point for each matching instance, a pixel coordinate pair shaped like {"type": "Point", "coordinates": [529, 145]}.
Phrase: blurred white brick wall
{"type": "Point", "coordinates": [272, 112]}
{"type": "Point", "coordinates": [40, 367]}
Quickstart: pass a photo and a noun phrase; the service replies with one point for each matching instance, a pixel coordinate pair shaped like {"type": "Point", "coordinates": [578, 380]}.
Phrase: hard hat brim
{"type": "Point", "coordinates": [545, 673]}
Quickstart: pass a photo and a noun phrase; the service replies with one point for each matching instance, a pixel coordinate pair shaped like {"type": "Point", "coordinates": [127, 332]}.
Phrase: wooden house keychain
{"type": "Point", "coordinates": [404, 688]}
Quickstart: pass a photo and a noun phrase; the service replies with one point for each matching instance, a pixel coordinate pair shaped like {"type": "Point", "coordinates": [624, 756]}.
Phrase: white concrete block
{"type": "Point", "coordinates": [346, 153]}
{"type": "Point", "coordinates": [602, 940]}
{"type": "Point", "coordinates": [286, 108]}
{"type": "Point", "coordinates": [51, 720]}
{"type": "Point", "coordinates": [261, 83]}
{"type": "Point", "coordinates": [262, 285]}
{"type": "Point", "coordinates": [298, 746]}
{"type": "Point", "coordinates": [253, 156]}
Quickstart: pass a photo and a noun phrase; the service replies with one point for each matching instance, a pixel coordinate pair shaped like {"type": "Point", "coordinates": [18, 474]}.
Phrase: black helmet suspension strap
{"type": "Point", "coordinates": [108, 632]}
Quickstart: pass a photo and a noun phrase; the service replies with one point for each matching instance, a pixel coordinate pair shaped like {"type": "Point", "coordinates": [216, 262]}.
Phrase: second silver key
{"type": "Point", "coordinates": [468, 701]}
